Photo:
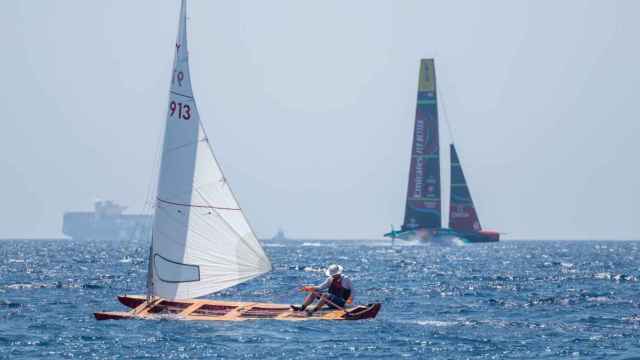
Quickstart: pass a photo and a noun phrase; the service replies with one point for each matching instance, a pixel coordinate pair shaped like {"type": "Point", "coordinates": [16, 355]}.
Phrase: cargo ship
{"type": "Point", "coordinates": [107, 222]}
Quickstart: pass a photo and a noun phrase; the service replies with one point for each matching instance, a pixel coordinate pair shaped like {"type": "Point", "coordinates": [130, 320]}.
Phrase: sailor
{"type": "Point", "coordinates": [338, 287]}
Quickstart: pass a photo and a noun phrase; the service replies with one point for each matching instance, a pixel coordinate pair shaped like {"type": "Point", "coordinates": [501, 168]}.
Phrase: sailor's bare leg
{"type": "Point", "coordinates": [309, 300]}
{"type": "Point", "coordinates": [320, 304]}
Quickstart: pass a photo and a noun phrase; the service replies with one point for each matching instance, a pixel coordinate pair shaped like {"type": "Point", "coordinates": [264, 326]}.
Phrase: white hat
{"type": "Point", "coordinates": [333, 269]}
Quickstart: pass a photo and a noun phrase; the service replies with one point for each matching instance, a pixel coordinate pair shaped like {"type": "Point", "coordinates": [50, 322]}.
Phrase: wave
{"type": "Point", "coordinates": [436, 323]}
{"type": "Point", "coordinates": [633, 318]}
{"type": "Point", "coordinates": [312, 244]}
{"type": "Point", "coordinates": [599, 299]}
{"type": "Point", "coordinates": [21, 286]}
{"type": "Point", "coordinates": [92, 286]}
{"type": "Point", "coordinates": [9, 304]}
{"type": "Point", "coordinates": [615, 277]}
{"type": "Point", "coordinates": [495, 323]}
{"type": "Point", "coordinates": [56, 285]}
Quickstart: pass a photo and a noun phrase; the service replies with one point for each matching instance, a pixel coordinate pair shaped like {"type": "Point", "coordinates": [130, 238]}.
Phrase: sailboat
{"type": "Point", "coordinates": [423, 211]}
{"type": "Point", "coordinates": [201, 240]}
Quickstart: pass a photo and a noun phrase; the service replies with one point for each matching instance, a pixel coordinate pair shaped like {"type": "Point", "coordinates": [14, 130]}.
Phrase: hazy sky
{"type": "Point", "coordinates": [310, 108]}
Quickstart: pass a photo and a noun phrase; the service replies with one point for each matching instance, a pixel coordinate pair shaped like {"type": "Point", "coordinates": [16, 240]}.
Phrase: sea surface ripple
{"type": "Point", "coordinates": [510, 300]}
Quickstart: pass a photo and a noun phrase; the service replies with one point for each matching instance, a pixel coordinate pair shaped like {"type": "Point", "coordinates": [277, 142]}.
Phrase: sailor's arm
{"type": "Point", "coordinates": [324, 285]}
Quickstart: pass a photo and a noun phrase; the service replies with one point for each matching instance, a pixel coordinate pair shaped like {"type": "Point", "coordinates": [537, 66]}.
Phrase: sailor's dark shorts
{"type": "Point", "coordinates": [336, 300]}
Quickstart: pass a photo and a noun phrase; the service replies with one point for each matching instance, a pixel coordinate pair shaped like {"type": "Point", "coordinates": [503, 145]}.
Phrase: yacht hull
{"type": "Point", "coordinates": [216, 310]}
{"type": "Point", "coordinates": [444, 235]}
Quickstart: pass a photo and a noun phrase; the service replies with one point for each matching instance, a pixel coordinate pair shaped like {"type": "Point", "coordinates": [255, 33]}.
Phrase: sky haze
{"type": "Point", "coordinates": [310, 109]}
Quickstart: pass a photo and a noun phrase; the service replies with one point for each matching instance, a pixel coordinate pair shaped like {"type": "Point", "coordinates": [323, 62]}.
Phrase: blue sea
{"type": "Point", "coordinates": [510, 300]}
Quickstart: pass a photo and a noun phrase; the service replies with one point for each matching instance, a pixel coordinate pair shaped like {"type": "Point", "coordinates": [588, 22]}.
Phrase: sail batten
{"type": "Point", "coordinates": [423, 206]}
{"type": "Point", "coordinates": [197, 205]}
{"type": "Point", "coordinates": [196, 253]}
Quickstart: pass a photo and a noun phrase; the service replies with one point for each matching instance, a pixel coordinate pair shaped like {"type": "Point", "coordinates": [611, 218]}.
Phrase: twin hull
{"type": "Point", "coordinates": [443, 235]}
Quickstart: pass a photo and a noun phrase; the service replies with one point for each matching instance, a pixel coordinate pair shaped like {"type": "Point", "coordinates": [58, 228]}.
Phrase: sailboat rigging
{"type": "Point", "coordinates": [423, 209]}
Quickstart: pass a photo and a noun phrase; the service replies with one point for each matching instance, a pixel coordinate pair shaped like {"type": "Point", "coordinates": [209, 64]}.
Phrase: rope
{"type": "Point", "coordinates": [444, 113]}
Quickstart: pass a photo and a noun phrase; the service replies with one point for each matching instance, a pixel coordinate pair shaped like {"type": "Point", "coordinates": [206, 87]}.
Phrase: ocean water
{"type": "Point", "coordinates": [510, 300]}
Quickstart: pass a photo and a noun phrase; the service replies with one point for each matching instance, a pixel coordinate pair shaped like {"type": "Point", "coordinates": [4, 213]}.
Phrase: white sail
{"type": "Point", "coordinates": [202, 242]}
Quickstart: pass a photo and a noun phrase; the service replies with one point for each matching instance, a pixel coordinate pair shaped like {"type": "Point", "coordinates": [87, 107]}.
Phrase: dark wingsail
{"type": "Point", "coordinates": [462, 213]}
{"type": "Point", "coordinates": [423, 209]}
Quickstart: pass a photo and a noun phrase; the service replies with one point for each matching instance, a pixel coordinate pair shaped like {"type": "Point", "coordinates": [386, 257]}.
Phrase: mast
{"type": "Point", "coordinates": [423, 206]}
{"type": "Point", "coordinates": [149, 290]}
{"type": "Point", "coordinates": [181, 39]}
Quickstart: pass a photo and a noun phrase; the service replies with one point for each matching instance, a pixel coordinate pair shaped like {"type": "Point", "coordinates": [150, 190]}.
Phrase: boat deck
{"type": "Point", "coordinates": [216, 310]}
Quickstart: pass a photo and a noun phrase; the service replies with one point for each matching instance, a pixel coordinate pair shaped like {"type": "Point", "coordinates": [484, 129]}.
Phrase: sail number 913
{"type": "Point", "coordinates": [183, 111]}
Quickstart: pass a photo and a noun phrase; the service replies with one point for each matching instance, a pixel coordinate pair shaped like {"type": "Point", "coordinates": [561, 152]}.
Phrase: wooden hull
{"type": "Point", "coordinates": [227, 311]}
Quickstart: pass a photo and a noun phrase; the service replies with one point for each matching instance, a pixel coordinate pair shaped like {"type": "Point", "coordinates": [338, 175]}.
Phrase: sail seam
{"type": "Point", "coordinates": [183, 95]}
{"type": "Point", "coordinates": [240, 236]}
{"type": "Point", "coordinates": [185, 145]}
{"type": "Point", "coordinates": [203, 258]}
{"type": "Point", "coordinates": [196, 206]}
{"type": "Point", "coordinates": [260, 251]}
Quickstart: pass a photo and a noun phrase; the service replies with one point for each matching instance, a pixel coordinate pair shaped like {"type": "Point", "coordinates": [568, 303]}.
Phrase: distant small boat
{"type": "Point", "coordinates": [279, 236]}
{"type": "Point", "coordinates": [423, 212]}
{"type": "Point", "coordinates": [201, 240]}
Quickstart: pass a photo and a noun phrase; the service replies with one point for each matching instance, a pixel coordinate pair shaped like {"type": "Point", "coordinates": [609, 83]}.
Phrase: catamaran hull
{"type": "Point", "coordinates": [481, 237]}
{"type": "Point", "coordinates": [444, 236]}
{"type": "Point", "coordinates": [215, 310]}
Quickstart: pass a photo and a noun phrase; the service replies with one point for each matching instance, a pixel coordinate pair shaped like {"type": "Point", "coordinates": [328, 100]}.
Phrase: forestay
{"type": "Point", "coordinates": [202, 242]}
